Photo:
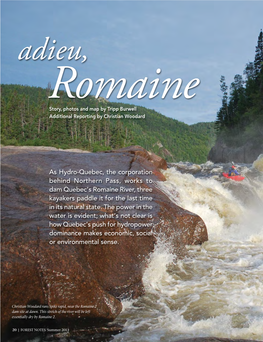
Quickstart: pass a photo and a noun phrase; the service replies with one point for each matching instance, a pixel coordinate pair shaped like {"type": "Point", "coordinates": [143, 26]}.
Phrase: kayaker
{"type": "Point", "coordinates": [233, 171]}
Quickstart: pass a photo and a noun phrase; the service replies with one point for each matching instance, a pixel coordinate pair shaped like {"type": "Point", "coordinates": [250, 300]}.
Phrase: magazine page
{"type": "Point", "coordinates": [131, 171]}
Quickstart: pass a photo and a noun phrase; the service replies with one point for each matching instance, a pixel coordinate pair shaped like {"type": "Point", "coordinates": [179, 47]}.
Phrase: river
{"type": "Point", "coordinates": [217, 289]}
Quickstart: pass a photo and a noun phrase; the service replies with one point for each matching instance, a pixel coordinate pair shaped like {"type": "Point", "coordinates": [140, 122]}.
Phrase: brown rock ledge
{"type": "Point", "coordinates": [96, 277]}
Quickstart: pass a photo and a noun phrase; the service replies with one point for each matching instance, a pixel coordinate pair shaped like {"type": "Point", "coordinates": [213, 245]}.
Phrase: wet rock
{"type": "Point", "coordinates": [247, 153]}
{"type": "Point", "coordinates": [98, 274]}
{"type": "Point", "coordinates": [155, 160]}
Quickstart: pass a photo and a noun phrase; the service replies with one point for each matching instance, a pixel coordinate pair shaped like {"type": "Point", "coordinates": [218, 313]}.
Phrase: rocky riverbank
{"type": "Point", "coordinates": [221, 153]}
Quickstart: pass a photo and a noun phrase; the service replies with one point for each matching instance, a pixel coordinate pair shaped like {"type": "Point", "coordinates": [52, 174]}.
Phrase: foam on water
{"type": "Point", "coordinates": [225, 214]}
{"type": "Point", "coordinates": [258, 164]}
{"type": "Point", "coordinates": [217, 290]}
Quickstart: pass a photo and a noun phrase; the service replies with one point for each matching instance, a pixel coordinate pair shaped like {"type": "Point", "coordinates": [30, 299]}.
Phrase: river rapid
{"type": "Point", "coordinates": [217, 289]}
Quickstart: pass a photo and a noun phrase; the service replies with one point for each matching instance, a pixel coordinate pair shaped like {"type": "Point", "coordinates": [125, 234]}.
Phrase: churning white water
{"type": "Point", "coordinates": [217, 290]}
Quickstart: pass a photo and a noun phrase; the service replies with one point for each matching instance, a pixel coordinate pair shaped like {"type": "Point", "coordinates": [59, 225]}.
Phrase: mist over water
{"type": "Point", "coordinates": [217, 289]}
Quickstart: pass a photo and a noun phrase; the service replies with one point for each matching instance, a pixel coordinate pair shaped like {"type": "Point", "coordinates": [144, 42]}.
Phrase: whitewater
{"type": "Point", "coordinates": [217, 288]}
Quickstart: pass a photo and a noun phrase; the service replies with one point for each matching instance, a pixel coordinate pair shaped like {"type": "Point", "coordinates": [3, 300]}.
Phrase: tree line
{"type": "Point", "coordinates": [240, 118]}
{"type": "Point", "coordinates": [26, 121]}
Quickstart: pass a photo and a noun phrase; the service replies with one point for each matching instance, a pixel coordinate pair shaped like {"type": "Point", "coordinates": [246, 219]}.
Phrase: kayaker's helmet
{"type": "Point", "coordinates": [233, 167]}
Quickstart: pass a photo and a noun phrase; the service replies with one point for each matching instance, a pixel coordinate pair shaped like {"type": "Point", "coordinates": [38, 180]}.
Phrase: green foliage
{"type": "Point", "coordinates": [26, 121]}
{"type": "Point", "coordinates": [240, 118]}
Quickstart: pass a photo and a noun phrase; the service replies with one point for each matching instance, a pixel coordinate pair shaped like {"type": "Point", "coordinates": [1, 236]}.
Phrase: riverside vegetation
{"type": "Point", "coordinates": [26, 121]}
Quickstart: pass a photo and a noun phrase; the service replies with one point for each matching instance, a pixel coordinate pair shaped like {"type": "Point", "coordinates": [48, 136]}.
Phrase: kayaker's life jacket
{"type": "Point", "coordinates": [233, 172]}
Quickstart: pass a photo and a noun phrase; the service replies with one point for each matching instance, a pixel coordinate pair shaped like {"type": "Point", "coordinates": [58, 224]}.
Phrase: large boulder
{"type": "Point", "coordinates": [59, 270]}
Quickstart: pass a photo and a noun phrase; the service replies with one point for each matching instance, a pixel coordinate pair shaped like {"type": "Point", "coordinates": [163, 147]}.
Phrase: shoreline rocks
{"type": "Point", "coordinates": [246, 154]}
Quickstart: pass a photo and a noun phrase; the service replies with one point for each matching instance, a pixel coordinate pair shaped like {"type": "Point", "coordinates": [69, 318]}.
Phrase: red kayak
{"type": "Point", "coordinates": [235, 178]}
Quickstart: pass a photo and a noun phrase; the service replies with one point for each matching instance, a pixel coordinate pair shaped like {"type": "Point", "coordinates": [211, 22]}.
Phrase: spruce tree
{"type": "Point", "coordinates": [259, 55]}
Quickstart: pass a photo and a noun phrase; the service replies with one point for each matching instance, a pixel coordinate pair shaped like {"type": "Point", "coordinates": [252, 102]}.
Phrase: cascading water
{"type": "Point", "coordinates": [217, 290]}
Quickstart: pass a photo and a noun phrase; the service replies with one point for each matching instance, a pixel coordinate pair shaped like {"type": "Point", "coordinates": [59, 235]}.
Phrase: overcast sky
{"type": "Point", "coordinates": [131, 40]}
